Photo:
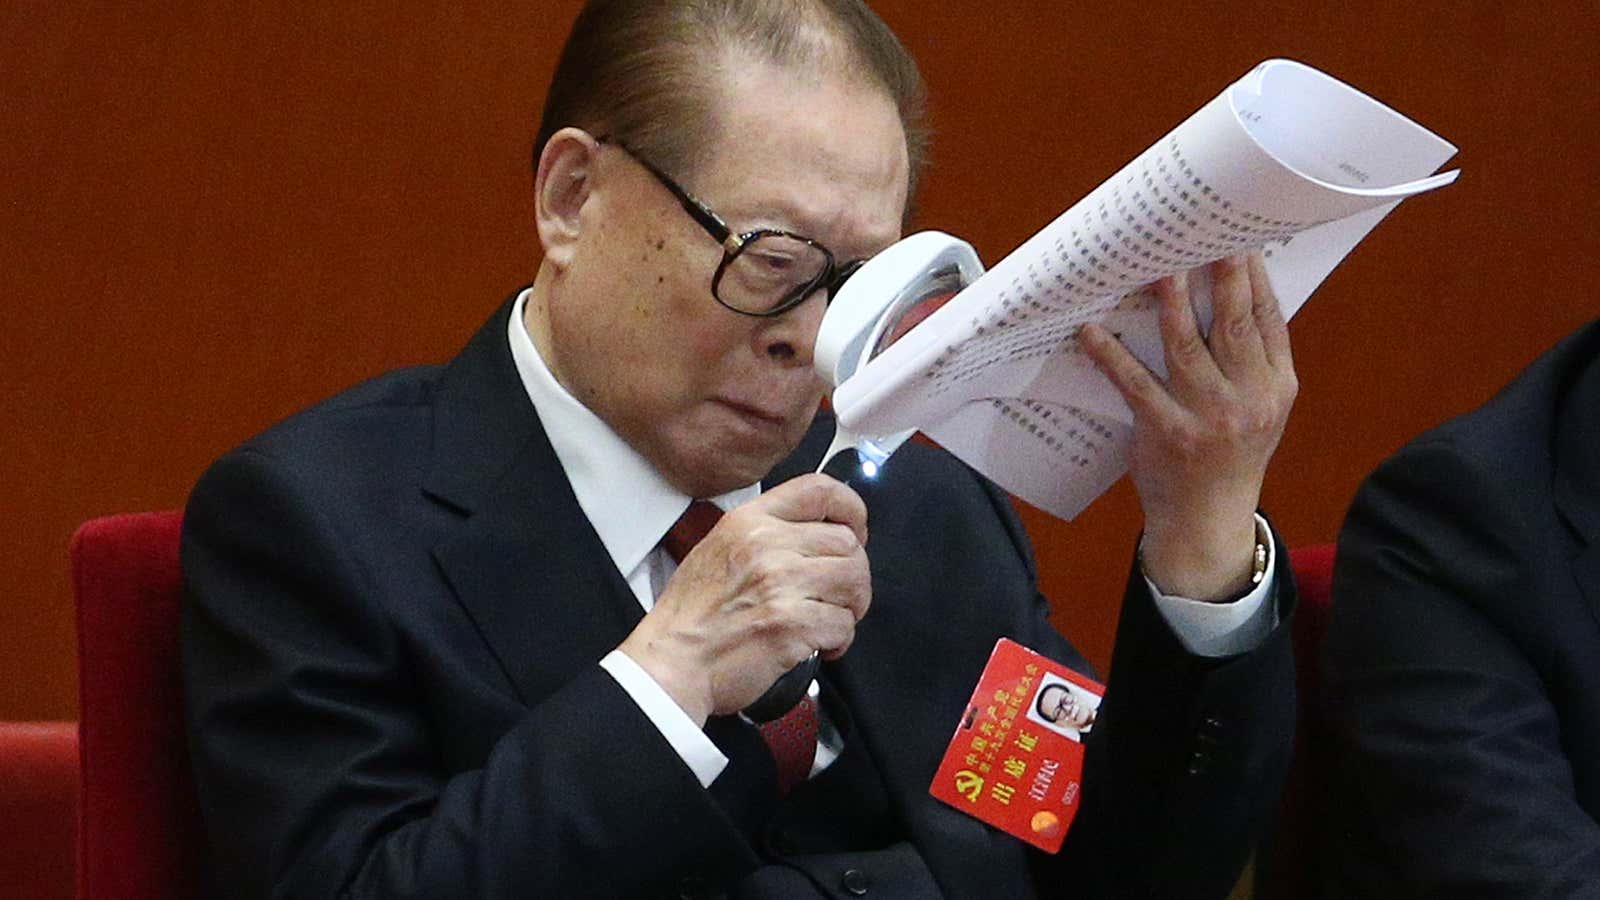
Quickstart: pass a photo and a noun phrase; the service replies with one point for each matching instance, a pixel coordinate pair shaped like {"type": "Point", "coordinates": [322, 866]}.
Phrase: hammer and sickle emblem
{"type": "Point", "coordinates": [969, 784]}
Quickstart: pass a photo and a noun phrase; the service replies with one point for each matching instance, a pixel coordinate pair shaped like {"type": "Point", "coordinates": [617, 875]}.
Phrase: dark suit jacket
{"type": "Point", "coordinates": [395, 612]}
{"type": "Point", "coordinates": [1465, 651]}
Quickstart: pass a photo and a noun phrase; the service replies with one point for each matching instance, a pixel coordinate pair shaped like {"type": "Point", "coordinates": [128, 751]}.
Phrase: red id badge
{"type": "Point", "coordinates": [1016, 761]}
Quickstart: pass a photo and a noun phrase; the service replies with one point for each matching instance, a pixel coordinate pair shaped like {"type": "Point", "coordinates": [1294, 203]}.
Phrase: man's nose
{"type": "Point", "coordinates": [791, 339]}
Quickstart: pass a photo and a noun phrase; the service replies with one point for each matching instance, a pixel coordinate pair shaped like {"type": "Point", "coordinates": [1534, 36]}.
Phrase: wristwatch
{"type": "Point", "coordinates": [1258, 560]}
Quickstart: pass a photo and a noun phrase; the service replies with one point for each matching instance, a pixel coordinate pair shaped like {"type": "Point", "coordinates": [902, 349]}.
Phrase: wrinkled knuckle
{"type": "Point", "coordinates": [1286, 398]}
{"type": "Point", "coordinates": [1227, 422]}
{"type": "Point", "coordinates": [1235, 415]}
{"type": "Point", "coordinates": [1219, 402]}
{"type": "Point", "coordinates": [859, 597]}
{"type": "Point", "coordinates": [1264, 421]}
{"type": "Point", "coordinates": [1189, 347]}
{"type": "Point", "coordinates": [841, 541]}
{"type": "Point", "coordinates": [843, 625]}
{"type": "Point", "coordinates": [738, 520]}
{"type": "Point", "coordinates": [1143, 384]}
{"type": "Point", "coordinates": [1185, 440]}
{"type": "Point", "coordinates": [769, 621]}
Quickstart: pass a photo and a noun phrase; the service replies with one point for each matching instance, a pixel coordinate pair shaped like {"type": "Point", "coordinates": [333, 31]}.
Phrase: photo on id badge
{"type": "Point", "coordinates": [1063, 707]}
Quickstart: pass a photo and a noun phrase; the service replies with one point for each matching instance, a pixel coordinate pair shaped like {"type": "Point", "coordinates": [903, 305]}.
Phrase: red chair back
{"type": "Point", "coordinates": [1286, 868]}
{"type": "Point", "coordinates": [38, 808]}
{"type": "Point", "coordinates": [139, 835]}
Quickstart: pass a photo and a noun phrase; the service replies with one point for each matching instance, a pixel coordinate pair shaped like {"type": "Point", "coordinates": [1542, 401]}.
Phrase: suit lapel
{"type": "Point", "coordinates": [524, 563]}
{"type": "Point", "coordinates": [537, 581]}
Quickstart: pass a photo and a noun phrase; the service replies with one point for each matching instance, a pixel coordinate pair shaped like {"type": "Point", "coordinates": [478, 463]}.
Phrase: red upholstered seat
{"type": "Point", "coordinates": [1287, 866]}
{"type": "Point", "coordinates": [38, 808]}
{"type": "Point", "coordinates": [139, 834]}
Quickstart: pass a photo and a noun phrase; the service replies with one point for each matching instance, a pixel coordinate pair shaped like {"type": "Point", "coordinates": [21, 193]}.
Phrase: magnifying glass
{"type": "Point", "coordinates": [885, 298]}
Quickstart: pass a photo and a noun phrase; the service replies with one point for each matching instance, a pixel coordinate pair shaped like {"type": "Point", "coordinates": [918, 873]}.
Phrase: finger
{"type": "Point", "coordinates": [791, 630]}
{"type": "Point", "coordinates": [822, 539]}
{"type": "Point", "coordinates": [1140, 388]}
{"type": "Point", "coordinates": [830, 630]}
{"type": "Point", "coordinates": [1190, 368]}
{"type": "Point", "coordinates": [1235, 340]}
{"type": "Point", "coordinates": [805, 540]}
{"type": "Point", "coordinates": [1269, 315]}
{"type": "Point", "coordinates": [816, 498]}
{"type": "Point", "coordinates": [842, 582]}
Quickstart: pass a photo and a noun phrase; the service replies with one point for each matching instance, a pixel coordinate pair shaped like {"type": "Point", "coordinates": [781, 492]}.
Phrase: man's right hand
{"type": "Point", "coordinates": [778, 578]}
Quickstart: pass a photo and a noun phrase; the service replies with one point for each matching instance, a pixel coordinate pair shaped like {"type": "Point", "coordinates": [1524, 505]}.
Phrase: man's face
{"type": "Point", "coordinates": [1062, 706]}
{"type": "Point", "coordinates": [711, 397]}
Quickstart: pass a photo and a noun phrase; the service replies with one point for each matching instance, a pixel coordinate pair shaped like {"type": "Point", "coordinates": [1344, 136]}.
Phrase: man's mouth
{"type": "Point", "coordinates": [756, 415]}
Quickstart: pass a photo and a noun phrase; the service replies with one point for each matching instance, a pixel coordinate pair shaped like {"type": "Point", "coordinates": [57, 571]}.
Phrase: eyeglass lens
{"type": "Point", "coordinates": [768, 272]}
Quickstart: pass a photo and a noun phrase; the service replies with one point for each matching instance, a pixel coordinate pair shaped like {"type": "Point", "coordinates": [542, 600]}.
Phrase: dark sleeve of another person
{"type": "Point", "coordinates": [1448, 605]}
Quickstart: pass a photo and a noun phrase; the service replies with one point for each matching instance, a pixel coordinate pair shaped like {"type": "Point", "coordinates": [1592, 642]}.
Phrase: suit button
{"type": "Point", "coordinates": [1199, 762]}
{"type": "Point", "coordinates": [855, 882]}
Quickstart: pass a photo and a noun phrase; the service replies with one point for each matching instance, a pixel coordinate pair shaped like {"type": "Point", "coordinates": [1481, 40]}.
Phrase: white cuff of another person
{"type": "Point", "coordinates": [1224, 629]}
{"type": "Point", "coordinates": [691, 744]}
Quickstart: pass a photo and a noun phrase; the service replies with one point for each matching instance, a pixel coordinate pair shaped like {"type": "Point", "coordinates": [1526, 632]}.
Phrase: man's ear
{"type": "Point", "coordinates": [560, 189]}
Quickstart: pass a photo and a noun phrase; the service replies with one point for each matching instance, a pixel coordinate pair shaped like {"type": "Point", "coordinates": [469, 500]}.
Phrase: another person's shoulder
{"type": "Point", "coordinates": [1525, 414]}
{"type": "Point", "coordinates": [1471, 502]}
{"type": "Point", "coordinates": [1508, 441]}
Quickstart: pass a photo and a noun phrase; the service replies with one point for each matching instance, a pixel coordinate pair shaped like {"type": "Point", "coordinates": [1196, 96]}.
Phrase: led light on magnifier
{"type": "Point", "coordinates": [872, 457]}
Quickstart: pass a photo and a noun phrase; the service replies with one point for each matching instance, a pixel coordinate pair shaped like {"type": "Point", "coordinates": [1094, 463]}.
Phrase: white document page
{"type": "Point", "coordinates": [1287, 159]}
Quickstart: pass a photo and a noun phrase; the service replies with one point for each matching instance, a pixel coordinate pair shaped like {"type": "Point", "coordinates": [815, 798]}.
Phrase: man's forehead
{"type": "Point", "coordinates": [821, 156]}
{"type": "Point", "coordinates": [835, 212]}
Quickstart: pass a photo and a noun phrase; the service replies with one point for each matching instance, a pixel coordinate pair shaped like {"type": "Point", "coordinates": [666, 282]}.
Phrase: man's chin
{"type": "Point", "coordinates": [720, 453]}
{"type": "Point", "coordinates": [722, 466]}
{"type": "Point", "coordinates": [733, 470]}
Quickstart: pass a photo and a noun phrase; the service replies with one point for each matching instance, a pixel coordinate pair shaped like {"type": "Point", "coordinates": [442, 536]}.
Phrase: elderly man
{"type": "Point", "coordinates": [448, 635]}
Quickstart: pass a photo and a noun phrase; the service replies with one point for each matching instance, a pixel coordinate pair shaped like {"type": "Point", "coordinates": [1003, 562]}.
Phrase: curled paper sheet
{"type": "Point", "coordinates": [1287, 159]}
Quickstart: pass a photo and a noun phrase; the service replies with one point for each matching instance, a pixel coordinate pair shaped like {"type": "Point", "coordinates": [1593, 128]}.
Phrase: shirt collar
{"type": "Point", "coordinates": [626, 500]}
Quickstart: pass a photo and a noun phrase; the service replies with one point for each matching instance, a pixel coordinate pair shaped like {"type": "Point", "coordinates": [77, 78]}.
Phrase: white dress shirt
{"type": "Point", "coordinates": [631, 508]}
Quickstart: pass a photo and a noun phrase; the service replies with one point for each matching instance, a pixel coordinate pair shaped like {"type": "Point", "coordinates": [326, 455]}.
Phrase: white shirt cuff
{"type": "Point", "coordinates": [692, 746]}
{"type": "Point", "coordinates": [1224, 629]}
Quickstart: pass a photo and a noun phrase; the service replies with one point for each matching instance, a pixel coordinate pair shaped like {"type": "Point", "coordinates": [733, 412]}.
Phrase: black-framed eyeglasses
{"type": "Point", "coordinates": [765, 272]}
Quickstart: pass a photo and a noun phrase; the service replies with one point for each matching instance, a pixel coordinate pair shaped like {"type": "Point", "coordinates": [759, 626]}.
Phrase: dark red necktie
{"type": "Point", "coordinates": [792, 738]}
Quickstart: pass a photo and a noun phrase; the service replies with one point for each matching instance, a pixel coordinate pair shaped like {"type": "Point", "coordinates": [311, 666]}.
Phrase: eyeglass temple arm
{"type": "Point", "coordinates": [708, 220]}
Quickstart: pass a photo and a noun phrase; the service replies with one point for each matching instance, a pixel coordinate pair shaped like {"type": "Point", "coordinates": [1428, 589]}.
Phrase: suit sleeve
{"type": "Point", "coordinates": [1455, 783]}
{"type": "Point", "coordinates": [318, 774]}
{"type": "Point", "coordinates": [1187, 757]}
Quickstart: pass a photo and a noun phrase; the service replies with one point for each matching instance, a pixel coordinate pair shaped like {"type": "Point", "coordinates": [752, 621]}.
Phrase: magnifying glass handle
{"type": "Point", "coordinates": [785, 692]}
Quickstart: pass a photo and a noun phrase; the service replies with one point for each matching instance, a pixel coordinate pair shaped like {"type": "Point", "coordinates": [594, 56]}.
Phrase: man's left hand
{"type": "Point", "coordinates": [1203, 437]}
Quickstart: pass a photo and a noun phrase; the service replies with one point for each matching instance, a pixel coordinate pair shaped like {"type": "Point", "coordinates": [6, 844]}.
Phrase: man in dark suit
{"type": "Point", "coordinates": [438, 644]}
{"type": "Point", "coordinates": [1464, 651]}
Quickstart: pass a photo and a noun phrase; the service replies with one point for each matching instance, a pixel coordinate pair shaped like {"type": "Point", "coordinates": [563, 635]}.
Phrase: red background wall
{"type": "Point", "coordinates": [211, 217]}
